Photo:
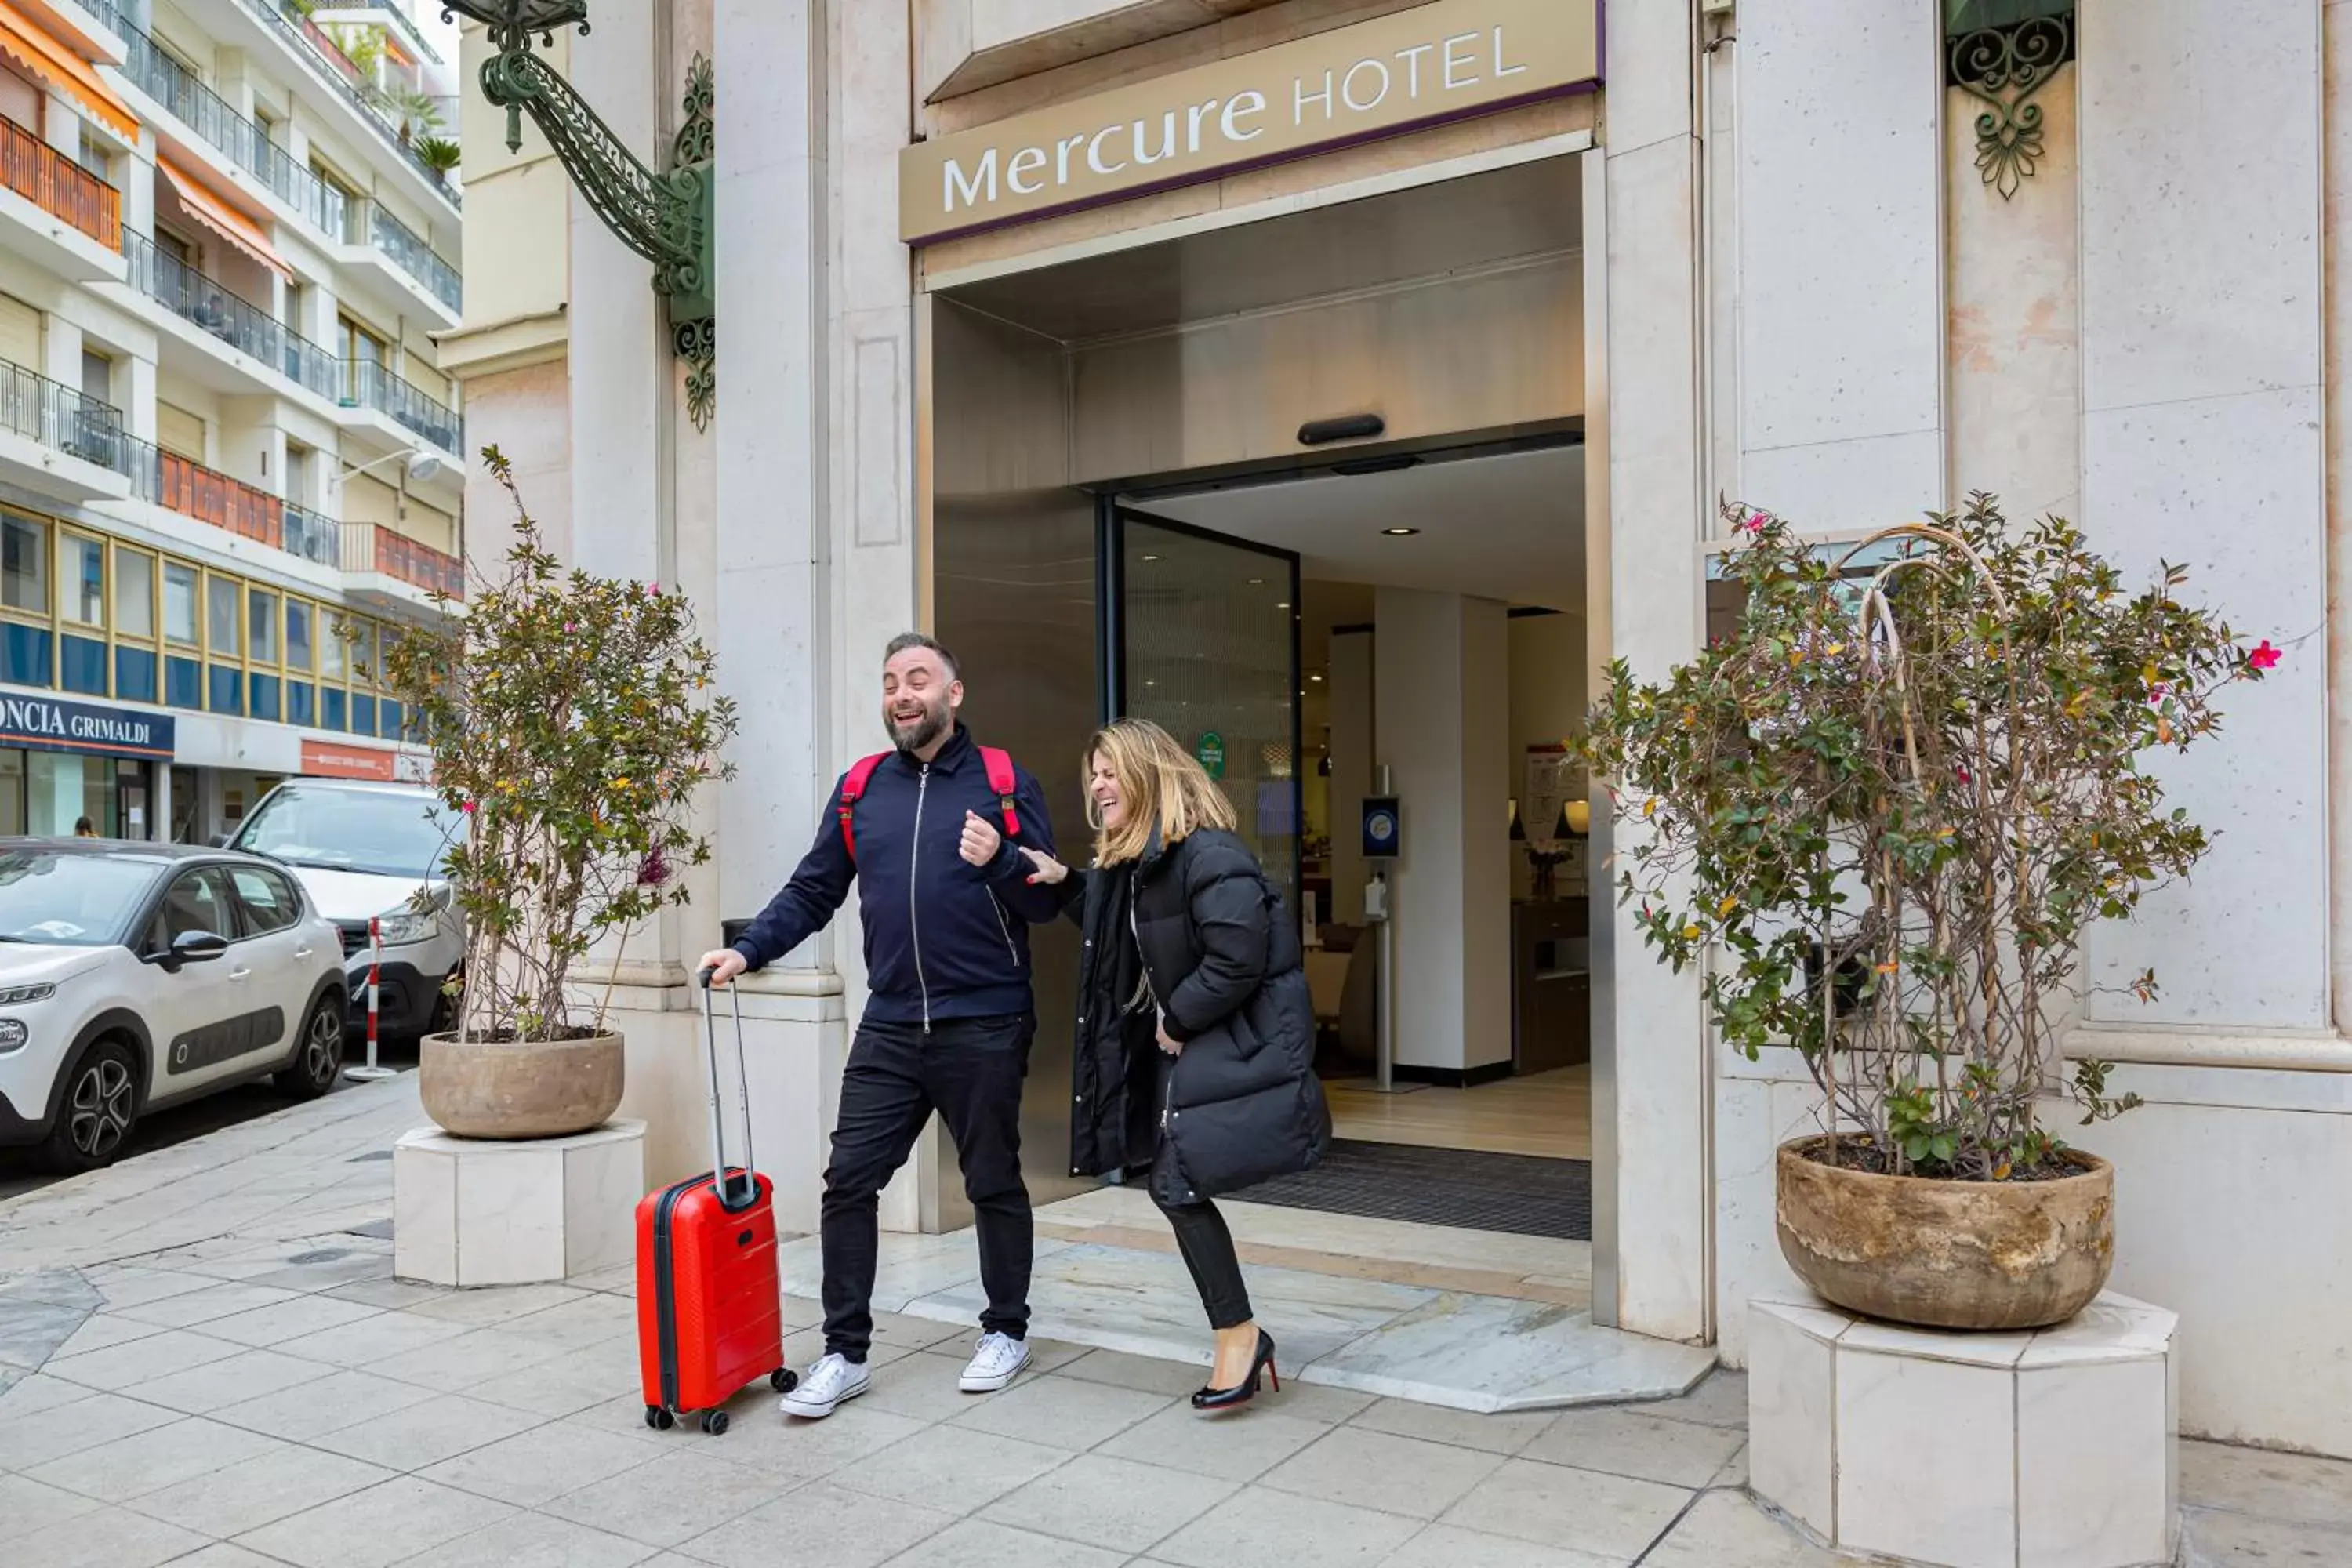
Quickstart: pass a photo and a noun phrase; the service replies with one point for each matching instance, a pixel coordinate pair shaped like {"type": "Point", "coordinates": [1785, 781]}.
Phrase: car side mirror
{"type": "Point", "coordinates": [218, 841]}
{"type": "Point", "coordinates": [193, 947]}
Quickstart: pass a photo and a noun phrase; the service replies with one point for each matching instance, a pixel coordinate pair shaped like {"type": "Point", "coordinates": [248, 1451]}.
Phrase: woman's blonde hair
{"type": "Point", "coordinates": [1163, 787]}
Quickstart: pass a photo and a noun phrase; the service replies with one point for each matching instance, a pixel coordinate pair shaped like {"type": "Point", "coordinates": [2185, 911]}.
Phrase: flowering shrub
{"type": "Point", "coordinates": [570, 719]}
{"type": "Point", "coordinates": [1884, 812]}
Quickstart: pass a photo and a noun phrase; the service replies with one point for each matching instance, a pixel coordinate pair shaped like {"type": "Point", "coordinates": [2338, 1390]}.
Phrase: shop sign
{"type": "Point", "coordinates": [46, 724]}
{"type": "Point", "coordinates": [327, 759]}
{"type": "Point", "coordinates": [1420, 66]}
{"type": "Point", "coordinates": [1211, 753]}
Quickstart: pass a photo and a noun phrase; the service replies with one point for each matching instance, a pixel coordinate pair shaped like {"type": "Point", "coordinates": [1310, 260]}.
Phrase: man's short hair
{"type": "Point", "coordinates": [905, 640]}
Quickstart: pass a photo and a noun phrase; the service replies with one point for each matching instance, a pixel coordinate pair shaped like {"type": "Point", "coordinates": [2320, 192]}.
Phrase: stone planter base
{"type": "Point", "coordinates": [471, 1211]}
{"type": "Point", "coordinates": [2051, 1449]}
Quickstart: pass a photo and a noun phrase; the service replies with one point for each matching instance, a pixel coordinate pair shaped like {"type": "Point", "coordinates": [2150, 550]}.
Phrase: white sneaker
{"type": "Point", "coordinates": [824, 1385]}
{"type": "Point", "coordinates": [995, 1363]}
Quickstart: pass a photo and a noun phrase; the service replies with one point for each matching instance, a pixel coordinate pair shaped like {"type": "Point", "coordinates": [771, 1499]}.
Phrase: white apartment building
{"type": "Point", "coordinates": [229, 465]}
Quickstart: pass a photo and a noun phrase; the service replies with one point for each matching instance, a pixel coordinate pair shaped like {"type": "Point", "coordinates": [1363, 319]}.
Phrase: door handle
{"type": "Point", "coordinates": [301, 952]}
{"type": "Point", "coordinates": [240, 974]}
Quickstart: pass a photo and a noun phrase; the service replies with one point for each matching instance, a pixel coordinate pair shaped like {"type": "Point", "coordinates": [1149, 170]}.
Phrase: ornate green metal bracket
{"type": "Point", "coordinates": [2004, 65]}
{"type": "Point", "coordinates": [666, 217]}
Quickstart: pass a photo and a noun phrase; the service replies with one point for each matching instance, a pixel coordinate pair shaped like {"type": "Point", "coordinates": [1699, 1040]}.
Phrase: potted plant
{"type": "Point", "coordinates": [572, 719]}
{"type": "Point", "coordinates": [1881, 814]}
{"type": "Point", "coordinates": [440, 153]}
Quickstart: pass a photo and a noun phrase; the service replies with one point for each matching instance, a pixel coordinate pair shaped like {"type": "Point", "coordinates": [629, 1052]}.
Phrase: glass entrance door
{"type": "Point", "coordinates": [1202, 638]}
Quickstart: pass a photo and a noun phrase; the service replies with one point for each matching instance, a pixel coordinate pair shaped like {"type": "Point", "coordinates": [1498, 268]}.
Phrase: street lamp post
{"type": "Point", "coordinates": [663, 216]}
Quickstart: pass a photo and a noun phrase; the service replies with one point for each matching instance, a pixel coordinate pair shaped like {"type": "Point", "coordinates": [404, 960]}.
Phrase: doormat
{"type": "Point", "coordinates": [1521, 1195]}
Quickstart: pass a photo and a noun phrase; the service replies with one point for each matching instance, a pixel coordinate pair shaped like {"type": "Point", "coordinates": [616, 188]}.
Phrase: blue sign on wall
{"type": "Point", "coordinates": [1382, 834]}
{"type": "Point", "coordinates": [46, 724]}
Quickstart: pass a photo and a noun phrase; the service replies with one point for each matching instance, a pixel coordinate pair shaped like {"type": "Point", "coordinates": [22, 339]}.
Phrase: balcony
{"type": "Point", "coordinates": [222, 128]}
{"type": "Point", "coordinates": [368, 384]}
{"type": "Point", "coordinates": [372, 549]}
{"type": "Point", "coordinates": [56, 441]}
{"type": "Point", "coordinates": [410, 253]}
{"type": "Point", "coordinates": [328, 62]}
{"type": "Point", "coordinates": [65, 219]}
{"type": "Point", "coordinates": [231, 318]}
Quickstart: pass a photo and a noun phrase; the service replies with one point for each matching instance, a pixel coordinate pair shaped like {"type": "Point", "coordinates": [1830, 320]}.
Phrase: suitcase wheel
{"type": "Point", "coordinates": [714, 1422]}
{"type": "Point", "coordinates": [783, 1381]}
{"type": "Point", "coordinates": [657, 1418]}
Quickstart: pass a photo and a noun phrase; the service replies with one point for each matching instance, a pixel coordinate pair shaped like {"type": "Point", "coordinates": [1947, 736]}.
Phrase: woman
{"type": "Point", "coordinates": [83, 828]}
{"type": "Point", "coordinates": [1195, 1046]}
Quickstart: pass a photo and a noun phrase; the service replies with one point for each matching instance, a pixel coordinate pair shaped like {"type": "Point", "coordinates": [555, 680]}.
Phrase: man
{"type": "Point", "coordinates": [945, 900]}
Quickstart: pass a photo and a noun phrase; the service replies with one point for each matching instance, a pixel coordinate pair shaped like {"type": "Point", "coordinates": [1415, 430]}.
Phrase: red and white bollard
{"type": "Point", "coordinates": [371, 1072]}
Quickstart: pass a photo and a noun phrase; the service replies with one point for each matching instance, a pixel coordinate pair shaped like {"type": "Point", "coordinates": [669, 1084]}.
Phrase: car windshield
{"type": "Point", "coordinates": [391, 834]}
{"type": "Point", "coordinates": [66, 899]}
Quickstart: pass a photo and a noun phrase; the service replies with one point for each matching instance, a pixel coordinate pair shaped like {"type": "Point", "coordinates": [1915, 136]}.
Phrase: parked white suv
{"type": "Point", "coordinates": [134, 975]}
{"type": "Point", "coordinates": [365, 852]}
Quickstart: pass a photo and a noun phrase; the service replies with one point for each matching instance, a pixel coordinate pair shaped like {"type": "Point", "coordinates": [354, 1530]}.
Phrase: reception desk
{"type": "Point", "coordinates": [1551, 984]}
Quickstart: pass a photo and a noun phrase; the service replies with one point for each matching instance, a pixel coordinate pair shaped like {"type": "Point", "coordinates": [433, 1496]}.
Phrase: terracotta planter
{"type": "Point", "coordinates": [1948, 1254]}
{"type": "Point", "coordinates": [535, 1088]}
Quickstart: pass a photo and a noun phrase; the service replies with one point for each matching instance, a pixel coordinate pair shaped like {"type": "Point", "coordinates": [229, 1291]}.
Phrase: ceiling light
{"type": "Point", "coordinates": [1315, 678]}
{"type": "Point", "coordinates": [1257, 581]}
{"type": "Point", "coordinates": [1152, 558]}
{"type": "Point", "coordinates": [1399, 532]}
{"type": "Point", "coordinates": [1283, 605]}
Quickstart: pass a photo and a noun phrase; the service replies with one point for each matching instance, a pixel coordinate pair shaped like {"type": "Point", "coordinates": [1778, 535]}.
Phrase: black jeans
{"type": "Point", "coordinates": [970, 1071]}
{"type": "Point", "coordinates": [1207, 1247]}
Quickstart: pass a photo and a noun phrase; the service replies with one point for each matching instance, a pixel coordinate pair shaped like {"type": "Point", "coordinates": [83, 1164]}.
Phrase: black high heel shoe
{"type": "Point", "coordinates": [1245, 1390]}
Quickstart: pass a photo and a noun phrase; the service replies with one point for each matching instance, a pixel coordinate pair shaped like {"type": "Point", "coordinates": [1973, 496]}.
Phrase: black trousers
{"type": "Point", "coordinates": [1207, 1247]}
{"type": "Point", "coordinates": [970, 1071]}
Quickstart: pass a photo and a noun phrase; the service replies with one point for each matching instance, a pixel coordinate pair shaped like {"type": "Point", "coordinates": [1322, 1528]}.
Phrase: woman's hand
{"type": "Point", "coordinates": [1043, 867]}
{"type": "Point", "coordinates": [1173, 1048]}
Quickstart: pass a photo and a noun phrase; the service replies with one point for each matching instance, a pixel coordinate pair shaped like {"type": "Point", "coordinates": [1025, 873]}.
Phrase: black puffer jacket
{"type": "Point", "coordinates": [1241, 1104]}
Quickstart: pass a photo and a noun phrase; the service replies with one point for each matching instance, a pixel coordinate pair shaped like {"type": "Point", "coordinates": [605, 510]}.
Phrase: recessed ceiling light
{"type": "Point", "coordinates": [1152, 558]}
{"type": "Point", "coordinates": [1391, 533]}
{"type": "Point", "coordinates": [1283, 605]}
{"type": "Point", "coordinates": [1314, 677]}
{"type": "Point", "coordinates": [1257, 581]}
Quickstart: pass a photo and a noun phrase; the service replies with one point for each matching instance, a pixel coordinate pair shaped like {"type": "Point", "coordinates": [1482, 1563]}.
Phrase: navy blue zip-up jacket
{"type": "Point", "coordinates": [944, 939]}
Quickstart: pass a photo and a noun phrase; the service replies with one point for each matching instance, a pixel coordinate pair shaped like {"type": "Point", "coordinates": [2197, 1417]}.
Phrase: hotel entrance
{"type": "Point", "coordinates": [1323, 520]}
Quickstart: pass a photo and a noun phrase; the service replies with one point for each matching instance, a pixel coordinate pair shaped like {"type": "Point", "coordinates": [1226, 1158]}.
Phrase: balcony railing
{"type": "Point", "coordinates": [412, 254]}
{"type": "Point", "coordinates": [229, 316]}
{"type": "Point", "coordinates": [67, 421]}
{"type": "Point", "coordinates": [210, 496]}
{"type": "Point", "coordinates": [313, 537]}
{"type": "Point", "coordinates": [208, 114]}
{"type": "Point", "coordinates": [334, 67]}
{"type": "Point", "coordinates": [59, 186]}
{"type": "Point", "coordinates": [371, 547]}
{"type": "Point", "coordinates": [368, 384]}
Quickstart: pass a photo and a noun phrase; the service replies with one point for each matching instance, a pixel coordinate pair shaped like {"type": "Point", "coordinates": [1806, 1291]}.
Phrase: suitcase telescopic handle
{"type": "Point", "coordinates": [732, 1195]}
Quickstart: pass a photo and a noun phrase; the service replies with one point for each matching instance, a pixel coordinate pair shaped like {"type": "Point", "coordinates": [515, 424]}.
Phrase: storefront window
{"type": "Point", "coordinates": [24, 566]}
{"type": "Point", "coordinates": [298, 637]}
{"type": "Point", "coordinates": [221, 623]}
{"type": "Point", "coordinates": [334, 654]}
{"type": "Point", "coordinates": [261, 625]}
{"type": "Point", "coordinates": [81, 566]}
{"type": "Point", "coordinates": [180, 604]}
{"type": "Point", "coordinates": [61, 790]}
{"type": "Point", "coordinates": [134, 593]}
{"type": "Point", "coordinates": [12, 792]}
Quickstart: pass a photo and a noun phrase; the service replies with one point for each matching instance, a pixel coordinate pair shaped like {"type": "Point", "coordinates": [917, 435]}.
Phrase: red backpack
{"type": "Point", "coordinates": [1000, 780]}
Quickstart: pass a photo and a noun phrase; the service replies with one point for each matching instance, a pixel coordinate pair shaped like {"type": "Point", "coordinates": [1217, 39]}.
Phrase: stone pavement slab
{"type": "Point", "coordinates": [215, 1369]}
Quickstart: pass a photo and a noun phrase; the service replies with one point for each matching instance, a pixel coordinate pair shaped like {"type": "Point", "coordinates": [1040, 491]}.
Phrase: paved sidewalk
{"type": "Point", "coordinates": [205, 1361]}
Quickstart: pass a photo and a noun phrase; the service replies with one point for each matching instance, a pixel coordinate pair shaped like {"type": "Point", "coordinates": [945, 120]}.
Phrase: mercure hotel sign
{"type": "Point", "coordinates": [1423, 66]}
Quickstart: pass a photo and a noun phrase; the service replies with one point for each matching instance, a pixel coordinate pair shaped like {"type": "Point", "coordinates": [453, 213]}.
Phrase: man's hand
{"type": "Point", "coordinates": [724, 965]}
{"type": "Point", "coordinates": [1173, 1048]}
{"type": "Point", "coordinates": [981, 843]}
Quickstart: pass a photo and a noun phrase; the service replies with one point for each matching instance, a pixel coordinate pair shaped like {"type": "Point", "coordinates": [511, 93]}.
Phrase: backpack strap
{"type": "Point", "coordinates": [1004, 784]}
{"type": "Point", "coordinates": [853, 785]}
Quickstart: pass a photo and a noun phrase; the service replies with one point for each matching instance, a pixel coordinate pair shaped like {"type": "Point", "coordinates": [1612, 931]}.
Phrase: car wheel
{"type": "Point", "coordinates": [319, 1062]}
{"type": "Point", "coordinates": [99, 1107]}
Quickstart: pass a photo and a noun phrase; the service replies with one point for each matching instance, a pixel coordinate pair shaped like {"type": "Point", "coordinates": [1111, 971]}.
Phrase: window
{"type": "Point", "coordinates": [172, 246]}
{"type": "Point", "coordinates": [363, 655]}
{"type": "Point", "coordinates": [334, 654]}
{"type": "Point", "coordinates": [81, 570]}
{"type": "Point", "coordinates": [92, 155]}
{"type": "Point", "coordinates": [97, 377]}
{"type": "Point", "coordinates": [298, 637]}
{"type": "Point", "coordinates": [298, 470]}
{"type": "Point", "coordinates": [180, 604]}
{"type": "Point", "coordinates": [261, 625]}
{"type": "Point", "coordinates": [221, 623]}
{"type": "Point", "coordinates": [134, 593]}
{"type": "Point", "coordinates": [197, 902]}
{"type": "Point", "coordinates": [270, 900]}
{"type": "Point", "coordinates": [179, 432]}
{"type": "Point", "coordinates": [24, 566]}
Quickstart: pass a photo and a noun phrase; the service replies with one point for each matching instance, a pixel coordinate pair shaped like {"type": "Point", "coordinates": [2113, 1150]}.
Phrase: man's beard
{"type": "Point", "coordinates": [925, 730]}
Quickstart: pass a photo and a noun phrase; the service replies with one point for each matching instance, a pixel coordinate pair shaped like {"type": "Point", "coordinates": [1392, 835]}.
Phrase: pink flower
{"type": "Point", "coordinates": [2263, 657]}
{"type": "Point", "coordinates": [1962, 775]}
{"type": "Point", "coordinates": [2156, 694]}
{"type": "Point", "coordinates": [1752, 524]}
{"type": "Point", "coordinates": [570, 626]}
{"type": "Point", "coordinates": [653, 590]}
{"type": "Point", "coordinates": [655, 871]}
{"type": "Point", "coordinates": [468, 808]}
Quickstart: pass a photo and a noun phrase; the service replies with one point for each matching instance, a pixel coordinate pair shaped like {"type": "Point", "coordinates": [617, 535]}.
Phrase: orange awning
{"type": "Point", "coordinates": [221, 218]}
{"type": "Point", "coordinates": [24, 41]}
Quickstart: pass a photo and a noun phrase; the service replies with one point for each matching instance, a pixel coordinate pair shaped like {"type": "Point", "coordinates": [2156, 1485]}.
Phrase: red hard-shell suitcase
{"type": "Point", "coordinates": [710, 1321]}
